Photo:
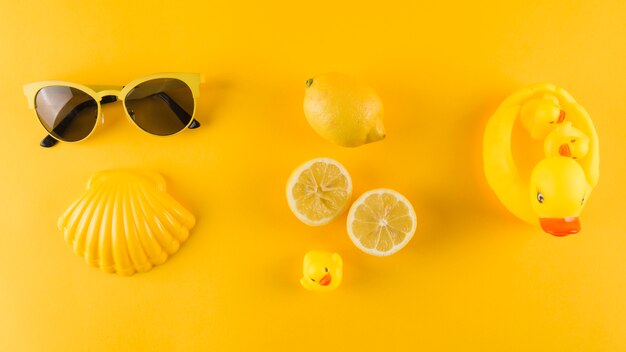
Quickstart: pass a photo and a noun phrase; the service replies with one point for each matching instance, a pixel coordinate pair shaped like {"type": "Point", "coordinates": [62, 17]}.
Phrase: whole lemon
{"type": "Point", "coordinates": [343, 110]}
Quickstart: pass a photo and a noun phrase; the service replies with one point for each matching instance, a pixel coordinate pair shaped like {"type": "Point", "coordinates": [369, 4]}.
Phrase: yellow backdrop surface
{"type": "Point", "coordinates": [473, 278]}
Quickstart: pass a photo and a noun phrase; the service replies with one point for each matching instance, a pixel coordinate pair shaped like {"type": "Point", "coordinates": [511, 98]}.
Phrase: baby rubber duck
{"type": "Point", "coordinates": [540, 115]}
{"type": "Point", "coordinates": [567, 141]}
{"type": "Point", "coordinates": [321, 271]}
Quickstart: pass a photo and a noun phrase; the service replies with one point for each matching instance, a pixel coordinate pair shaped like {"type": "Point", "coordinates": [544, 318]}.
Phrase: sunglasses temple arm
{"type": "Point", "coordinates": [50, 141]}
{"type": "Point", "coordinates": [182, 115]}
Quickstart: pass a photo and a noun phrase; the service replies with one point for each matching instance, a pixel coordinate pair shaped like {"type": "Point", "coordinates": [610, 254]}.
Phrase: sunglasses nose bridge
{"type": "Point", "coordinates": [106, 96]}
{"type": "Point", "coordinates": [109, 93]}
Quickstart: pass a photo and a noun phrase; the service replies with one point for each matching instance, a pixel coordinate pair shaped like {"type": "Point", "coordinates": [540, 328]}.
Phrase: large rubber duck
{"type": "Point", "coordinates": [321, 271]}
{"type": "Point", "coordinates": [559, 184]}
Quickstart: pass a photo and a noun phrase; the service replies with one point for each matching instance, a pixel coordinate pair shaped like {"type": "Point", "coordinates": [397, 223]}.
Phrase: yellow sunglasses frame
{"type": "Point", "coordinates": [98, 92]}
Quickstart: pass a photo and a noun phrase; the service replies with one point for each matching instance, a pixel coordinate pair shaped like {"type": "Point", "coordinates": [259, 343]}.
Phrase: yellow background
{"type": "Point", "coordinates": [473, 278]}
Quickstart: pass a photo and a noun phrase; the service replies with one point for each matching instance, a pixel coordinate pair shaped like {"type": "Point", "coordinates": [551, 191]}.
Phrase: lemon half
{"type": "Point", "coordinates": [381, 222]}
{"type": "Point", "coordinates": [318, 191]}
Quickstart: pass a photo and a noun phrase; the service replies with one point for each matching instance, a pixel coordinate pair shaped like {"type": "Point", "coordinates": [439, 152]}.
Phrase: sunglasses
{"type": "Point", "coordinates": [161, 104]}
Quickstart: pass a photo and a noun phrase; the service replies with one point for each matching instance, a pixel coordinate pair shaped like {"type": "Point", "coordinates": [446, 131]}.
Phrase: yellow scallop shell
{"type": "Point", "coordinates": [125, 222]}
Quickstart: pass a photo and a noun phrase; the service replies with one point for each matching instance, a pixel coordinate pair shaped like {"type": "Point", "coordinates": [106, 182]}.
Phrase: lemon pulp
{"type": "Point", "coordinates": [318, 191]}
{"type": "Point", "coordinates": [381, 222]}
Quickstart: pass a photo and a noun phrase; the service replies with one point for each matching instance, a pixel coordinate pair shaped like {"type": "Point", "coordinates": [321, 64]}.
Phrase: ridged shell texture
{"type": "Point", "coordinates": [125, 222]}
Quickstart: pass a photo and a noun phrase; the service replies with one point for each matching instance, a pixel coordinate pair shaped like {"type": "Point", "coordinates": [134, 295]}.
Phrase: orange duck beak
{"type": "Point", "coordinates": [325, 281]}
{"type": "Point", "coordinates": [560, 226]}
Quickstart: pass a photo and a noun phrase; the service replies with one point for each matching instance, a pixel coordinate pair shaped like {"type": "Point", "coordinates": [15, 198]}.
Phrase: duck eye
{"type": "Point", "coordinates": [582, 201]}
{"type": "Point", "coordinates": [573, 141]}
{"type": "Point", "coordinates": [540, 197]}
{"type": "Point", "coordinates": [312, 279]}
{"type": "Point", "coordinates": [326, 269]}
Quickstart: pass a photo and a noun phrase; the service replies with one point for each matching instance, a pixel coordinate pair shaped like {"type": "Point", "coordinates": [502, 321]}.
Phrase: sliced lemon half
{"type": "Point", "coordinates": [318, 191]}
{"type": "Point", "coordinates": [381, 222]}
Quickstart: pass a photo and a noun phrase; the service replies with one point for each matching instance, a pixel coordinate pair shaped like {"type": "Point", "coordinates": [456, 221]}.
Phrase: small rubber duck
{"type": "Point", "coordinates": [321, 271]}
{"type": "Point", "coordinates": [540, 115]}
{"type": "Point", "coordinates": [567, 141]}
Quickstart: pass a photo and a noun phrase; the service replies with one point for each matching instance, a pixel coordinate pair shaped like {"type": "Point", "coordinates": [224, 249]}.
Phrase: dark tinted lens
{"type": "Point", "coordinates": [161, 106]}
{"type": "Point", "coordinates": [67, 113]}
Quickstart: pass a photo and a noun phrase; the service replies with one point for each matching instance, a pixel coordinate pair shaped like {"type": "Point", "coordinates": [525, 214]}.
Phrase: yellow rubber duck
{"type": "Point", "coordinates": [321, 271]}
{"type": "Point", "coordinates": [538, 115]}
{"type": "Point", "coordinates": [567, 141]}
{"type": "Point", "coordinates": [560, 184]}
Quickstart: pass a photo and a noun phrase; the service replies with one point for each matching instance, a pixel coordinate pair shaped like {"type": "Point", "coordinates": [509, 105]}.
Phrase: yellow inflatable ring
{"type": "Point", "coordinates": [561, 183]}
